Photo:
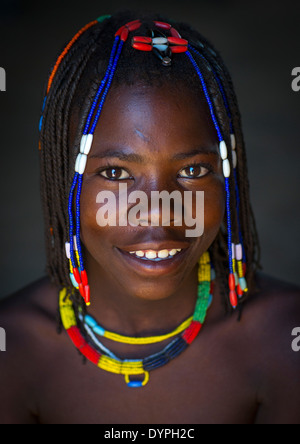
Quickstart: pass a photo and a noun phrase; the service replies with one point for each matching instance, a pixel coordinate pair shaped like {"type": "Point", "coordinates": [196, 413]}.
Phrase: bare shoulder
{"type": "Point", "coordinates": [30, 309]}
{"type": "Point", "coordinates": [271, 320]}
{"type": "Point", "coordinates": [28, 319]}
{"type": "Point", "coordinates": [275, 305]}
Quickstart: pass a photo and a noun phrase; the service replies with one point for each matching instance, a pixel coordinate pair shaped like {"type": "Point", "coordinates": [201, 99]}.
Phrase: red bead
{"type": "Point", "coordinates": [87, 297]}
{"type": "Point", "coordinates": [239, 291]}
{"type": "Point", "coordinates": [81, 290]}
{"type": "Point", "coordinates": [84, 278]}
{"type": "Point", "coordinates": [142, 40]}
{"type": "Point", "coordinates": [76, 337]}
{"type": "Point", "coordinates": [175, 33]}
{"type": "Point", "coordinates": [191, 332]}
{"type": "Point", "coordinates": [231, 282]}
{"type": "Point", "coordinates": [91, 354]}
{"type": "Point", "coordinates": [77, 275]}
{"type": "Point", "coordinates": [244, 268]}
{"type": "Point", "coordinates": [124, 34]}
{"type": "Point", "coordinates": [142, 47]}
{"type": "Point", "coordinates": [233, 298]}
{"type": "Point", "coordinates": [178, 49]}
{"type": "Point", "coordinates": [119, 32]}
{"type": "Point", "coordinates": [133, 26]}
{"type": "Point", "coordinates": [163, 25]}
{"type": "Point", "coordinates": [177, 41]}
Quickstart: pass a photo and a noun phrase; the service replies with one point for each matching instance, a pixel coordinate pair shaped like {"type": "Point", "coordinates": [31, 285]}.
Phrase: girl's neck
{"type": "Point", "coordinates": [132, 315]}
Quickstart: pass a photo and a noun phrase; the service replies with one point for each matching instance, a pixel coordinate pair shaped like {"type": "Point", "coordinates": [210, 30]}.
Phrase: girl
{"type": "Point", "coordinates": [173, 328]}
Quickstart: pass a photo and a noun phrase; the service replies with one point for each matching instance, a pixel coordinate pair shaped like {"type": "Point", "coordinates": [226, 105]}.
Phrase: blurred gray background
{"type": "Point", "coordinates": [259, 41]}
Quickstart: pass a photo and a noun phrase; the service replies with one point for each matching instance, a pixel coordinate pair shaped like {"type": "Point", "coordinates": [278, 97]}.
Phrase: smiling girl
{"type": "Point", "coordinates": [173, 329]}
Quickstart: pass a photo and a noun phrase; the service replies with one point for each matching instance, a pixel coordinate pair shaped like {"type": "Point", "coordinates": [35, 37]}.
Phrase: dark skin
{"type": "Point", "coordinates": [234, 373]}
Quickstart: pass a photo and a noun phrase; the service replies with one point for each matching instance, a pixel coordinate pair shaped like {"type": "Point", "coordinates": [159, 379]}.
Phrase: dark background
{"type": "Point", "coordinates": [260, 44]}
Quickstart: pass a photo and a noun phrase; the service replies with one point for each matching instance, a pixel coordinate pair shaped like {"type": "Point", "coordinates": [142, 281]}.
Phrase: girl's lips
{"type": "Point", "coordinates": [155, 266]}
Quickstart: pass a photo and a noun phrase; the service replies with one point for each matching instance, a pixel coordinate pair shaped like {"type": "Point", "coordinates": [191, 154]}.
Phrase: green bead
{"type": "Point", "coordinates": [103, 17]}
{"type": "Point", "coordinates": [202, 302]}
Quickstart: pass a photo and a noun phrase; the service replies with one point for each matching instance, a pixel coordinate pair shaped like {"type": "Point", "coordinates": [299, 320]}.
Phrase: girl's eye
{"type": "Point", "coordinates": [193, 172]}
{"type": "Point", "coordinates": [114, 173]}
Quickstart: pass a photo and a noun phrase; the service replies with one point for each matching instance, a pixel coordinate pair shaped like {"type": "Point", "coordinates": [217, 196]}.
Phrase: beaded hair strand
{"type": "Point", "coordinates": [237, 242]}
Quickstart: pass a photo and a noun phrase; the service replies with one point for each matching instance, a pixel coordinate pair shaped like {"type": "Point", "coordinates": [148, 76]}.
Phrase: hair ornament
{"type": "Point", "coordinates": [161, 45]}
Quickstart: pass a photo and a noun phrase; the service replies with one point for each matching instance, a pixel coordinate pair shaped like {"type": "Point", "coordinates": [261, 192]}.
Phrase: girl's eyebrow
{"type": "Point", "coordinates": [137, 158]}
{"type": "Point", "coordinates": [195, 152]}
{"type": "Point", "coordinates": [121, 155]}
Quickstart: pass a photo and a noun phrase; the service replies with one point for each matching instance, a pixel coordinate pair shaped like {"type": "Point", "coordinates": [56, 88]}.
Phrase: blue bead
{"type": "Point", "coordinates": [73, 280]}
{"type": "Point", "coordinates": [243, 283]}
{"type": "Point", "coordinates": [90, 321]}
{"type": "Point", "coordinates": [44, 104]}
{"type": "Point", "coordinates": [135, 384]}
{"type": "Point", "coordinates": [98, 330]}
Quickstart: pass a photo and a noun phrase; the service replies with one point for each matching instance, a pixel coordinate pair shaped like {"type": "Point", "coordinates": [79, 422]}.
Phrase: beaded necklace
{"type": "Point", "coordinates": [99, 355]}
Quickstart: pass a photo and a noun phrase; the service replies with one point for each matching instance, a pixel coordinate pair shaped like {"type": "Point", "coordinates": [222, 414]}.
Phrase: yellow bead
{"type": "Point", "coordinates": [234, 265]}
{"type": "Point", "coordinates": [240, 269]}
{"type": "Point", "coordinates": [204, 273]}
{"type": "Point", "coordinates": [70, 266]}
{"type": "Point", "coordinates": [66, 310]}
{"type": "Point", "coordinates": [205, 259]}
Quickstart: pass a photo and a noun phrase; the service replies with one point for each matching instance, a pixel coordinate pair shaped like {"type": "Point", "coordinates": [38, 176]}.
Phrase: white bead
{"type": "Point", "coordinates": [80, 163]}
{"type": "Point", "coordinates": [234, 159]}
{"type": "Point", "coordinates": [233, 250]}
{"type": "Point", "coordinates": [68, 251]}
{"type": "Point", "coordinates": [239, 252]}
{"type": "Point", "coordinates": [75, 243]}
{"type": "Point", "coordinates": [161, 47]}
{"type": "Point", "coordinates": [160, 41]}
{"type": "Point", "coordinates": [226, 168]}
{"type": "Point", "coordinates": [223, 150]}
{"type": "Point", "coordinates": [77, 163]}
{"type": "Point", "coordinates": [233, 141]}
{"type": "Point", "coordinates": [83, 142]}
{"type": "Point", "coordinates": [88, 145]}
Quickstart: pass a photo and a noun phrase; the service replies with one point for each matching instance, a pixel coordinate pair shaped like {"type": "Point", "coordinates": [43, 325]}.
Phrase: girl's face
{"type": "Point", "coordinates": [151, 139]}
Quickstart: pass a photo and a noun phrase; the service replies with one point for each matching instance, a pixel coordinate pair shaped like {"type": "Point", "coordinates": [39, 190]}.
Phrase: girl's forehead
{"type": "Point", "coordinates": [160, 115]}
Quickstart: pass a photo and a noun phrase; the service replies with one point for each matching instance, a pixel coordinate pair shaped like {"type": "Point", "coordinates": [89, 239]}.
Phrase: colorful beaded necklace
{"type": "Point", "coordinates": [107, 361]}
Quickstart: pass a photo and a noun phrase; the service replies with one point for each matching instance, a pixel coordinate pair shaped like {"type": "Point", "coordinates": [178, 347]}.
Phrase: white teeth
{"type": "Point", "coordinates": [150, 255]}
{"type": "Point", "coordinates": [161, 254]}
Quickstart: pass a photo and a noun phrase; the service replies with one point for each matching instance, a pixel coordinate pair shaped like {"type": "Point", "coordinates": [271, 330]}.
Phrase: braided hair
{"type": "Point", "coordinates": [70, 92]}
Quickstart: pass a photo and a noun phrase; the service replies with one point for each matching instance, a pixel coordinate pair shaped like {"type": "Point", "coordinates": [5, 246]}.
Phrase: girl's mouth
{"type": "Point", "coordinates": [156, 256]}
{"type": "Point", "coordinates": [155, 260]}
